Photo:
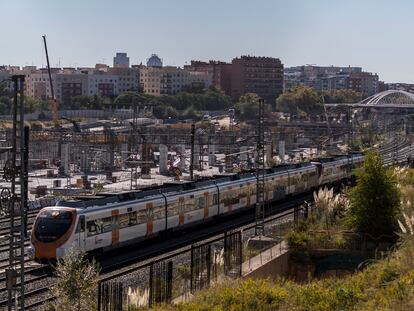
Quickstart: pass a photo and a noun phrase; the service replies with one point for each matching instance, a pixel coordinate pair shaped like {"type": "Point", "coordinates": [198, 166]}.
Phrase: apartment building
{"type": "Point", "coordinates": [171, 80]}
{"type": "Point", "coordinates": [100, 83]}
{"type": "Point", "coordinates": [330, 78]}
{"type": "Point", "coordinates": [128, 78]}
{"type": "Point", "coordinates": [220, 73]}
{"type": "Point", "coordinates": [332, 82]}
{"type": "Point", "coordinates": [260, 75]}
{"type": "Point", "coordinates": [363, 82]}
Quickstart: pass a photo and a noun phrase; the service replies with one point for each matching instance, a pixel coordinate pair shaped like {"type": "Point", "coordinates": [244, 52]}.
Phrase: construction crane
{"type": "Point", "coordinates": [53, 102]}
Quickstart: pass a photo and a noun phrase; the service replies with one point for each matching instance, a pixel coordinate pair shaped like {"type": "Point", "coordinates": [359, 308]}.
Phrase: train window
{"type": "Point", "coordinates": [52, 224]}
{"type": "Point", "coordinates": [200, 202]}
{"type": "Point", "coordinates": [226, 199]}
{"type": "Point", "coordinates": [107, 224]}
{"type": "Point", "coordinates": [81, 225]}
{"type": "Point", "coordinates": [123, 220]}
{"type": "Point", "coordinates": [215, 199]}
{"type": "Point", "coordinates": [142, 216]}
{"type": "Point", "coordinates": [159, 212]}
{"type": "Point", "coordinates": [243, 193]}
{"type": "Point", "coordinates": [252, 190]}
{"type": "Point", "coordinates": [189, 205]}
{"type": "Point", "coordinates": [172, 209]}
{"type": "Point", "coordinates": [93, 228]}
{"type": "Point", "coordinates": [132, 218]}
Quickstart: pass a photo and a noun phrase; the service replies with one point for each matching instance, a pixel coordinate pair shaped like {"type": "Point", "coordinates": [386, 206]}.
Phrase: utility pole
{"type": "Point", "coordinates": [15, 208]}
{"type": "Point", "coordinates": [260, 173]}
{"type": "Point", "coordinates": [395, 159]}
{"type": "Point", "coordinates": [350, 141]}
{"type": "Point", "coordinates": [192, 152]}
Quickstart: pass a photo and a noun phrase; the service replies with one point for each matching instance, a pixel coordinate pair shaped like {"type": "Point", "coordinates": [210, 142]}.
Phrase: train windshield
{"type": "Point", "coordinates": [52, 224]}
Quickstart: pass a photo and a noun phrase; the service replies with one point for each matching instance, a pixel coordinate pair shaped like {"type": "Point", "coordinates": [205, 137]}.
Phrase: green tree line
{"type": "Point", "coordinates": [301, 100]}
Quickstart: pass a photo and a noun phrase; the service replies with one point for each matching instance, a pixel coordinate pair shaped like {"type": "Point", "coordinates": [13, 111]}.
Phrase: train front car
{"type": "Point", "coordinates": [52, 233]}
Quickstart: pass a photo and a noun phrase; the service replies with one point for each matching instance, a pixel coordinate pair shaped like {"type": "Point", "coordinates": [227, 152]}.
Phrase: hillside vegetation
{"type": "Point", "coordinates": [385, 284]}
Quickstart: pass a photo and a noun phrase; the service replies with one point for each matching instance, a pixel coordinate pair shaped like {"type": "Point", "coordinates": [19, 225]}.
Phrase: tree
{"type": "Point", "coordinates": [302, 99]}
{"type": "Point", "coordinates": [248, 106]}
{"type": "Point", "coordinates": [76, 283]}
{"type": "Point", "coordinates": [33, 104]}
{"type": "Point", "coordinates": [342, 96]}
{"type": "Point", "coordinates": [6, 104]}
{"type": "Point", "coordinates": [132, 97]}
{"type": "Point", "coordinates": [164, 112]}
{"type": "Point", "coordinates": [213, 99]}
{"type": "Point", "coordinates": [4, 90]}
{"type": "Point", "coordinates": [375, 199]}
{"type": "Point", "coordinates": [81, 102]}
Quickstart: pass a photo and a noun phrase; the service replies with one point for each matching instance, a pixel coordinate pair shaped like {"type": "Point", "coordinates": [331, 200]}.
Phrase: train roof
{"type": "Point", "coordinates": [104, 198]}
{"type": "Point", "coordinates": [335, 158]}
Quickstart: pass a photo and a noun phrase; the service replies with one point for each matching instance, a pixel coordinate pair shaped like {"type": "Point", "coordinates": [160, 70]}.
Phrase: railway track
{"type": "Point", "coordinates": [5, 219]}
{"type": "Point", "coordinates": [38, 280]}
{"type": "Point", "coordinates": [5, 225]}
{"type": "Point", "coordinates": [125, 261]}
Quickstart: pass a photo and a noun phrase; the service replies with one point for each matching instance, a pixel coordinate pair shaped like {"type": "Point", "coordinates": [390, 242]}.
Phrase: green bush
{"type": "Point", "coordinates": [244, 295]}
{"type": "Point", "coordinates": [375, 199]}
{"type": "Point", "coordinates": [298, 240]}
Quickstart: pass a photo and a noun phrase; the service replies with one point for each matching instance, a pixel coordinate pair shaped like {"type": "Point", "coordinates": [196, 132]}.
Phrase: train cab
{"type": "Point", "coordinates": [52, 230]}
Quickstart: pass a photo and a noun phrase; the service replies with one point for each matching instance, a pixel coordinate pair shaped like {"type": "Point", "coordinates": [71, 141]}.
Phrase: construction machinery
{"type": "Point", "coordinates": [53, 102]}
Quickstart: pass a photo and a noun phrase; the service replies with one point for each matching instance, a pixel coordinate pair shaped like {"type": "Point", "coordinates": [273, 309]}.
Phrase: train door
{"type": "Point", "coordinates": [181, 210]}
{"type": "Point", "coordinates": [79, 240]}
{"type": "Point", "coordinates": [248, 203]}
{"type": "Point", "coordinates": [115, 228]}
{"type": "Point", "coordinates": [150, 218]}
{"type": "Point", "coordinates": [229, 199]}
{"type": "Point", "coordinates": [205, 207]}
{"type": "Point", "coordinates": [267, 189]}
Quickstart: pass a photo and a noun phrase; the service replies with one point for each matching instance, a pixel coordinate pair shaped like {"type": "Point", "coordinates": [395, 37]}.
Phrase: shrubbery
{"type": "Point", "coordinates": [385, 285]}
{"type": "Point", "coordinates": [375, 199]}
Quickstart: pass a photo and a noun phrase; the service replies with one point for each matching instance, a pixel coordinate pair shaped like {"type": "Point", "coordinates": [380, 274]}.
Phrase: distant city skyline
{"type": "Point", "coordinates": [299, 32]}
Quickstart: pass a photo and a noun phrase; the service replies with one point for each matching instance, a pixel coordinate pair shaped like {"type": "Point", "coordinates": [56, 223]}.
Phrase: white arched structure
{"type": "Point", "coordinates": [395, 97]}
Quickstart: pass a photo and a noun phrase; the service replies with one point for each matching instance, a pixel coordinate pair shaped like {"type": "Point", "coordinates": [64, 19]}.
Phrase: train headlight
{"type": "Point", "coordinates": [31, 252]}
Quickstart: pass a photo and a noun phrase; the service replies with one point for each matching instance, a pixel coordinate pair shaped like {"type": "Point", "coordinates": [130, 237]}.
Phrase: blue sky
{"type": "Point", "coordinates": [374, 34]}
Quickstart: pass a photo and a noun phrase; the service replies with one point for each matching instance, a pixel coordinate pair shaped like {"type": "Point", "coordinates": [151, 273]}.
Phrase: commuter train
{"type": "Point", "coordinates": [108, 221]}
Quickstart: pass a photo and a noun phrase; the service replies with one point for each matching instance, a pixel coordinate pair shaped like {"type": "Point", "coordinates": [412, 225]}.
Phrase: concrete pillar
{"type": "Point", "coordinates": [163, 160]}
{"type": "Point", "coordinates": [274, 143]}
{"type": "Point", "coordinates": [268, 154]}
{"type": "Point", "coordinates": [282, 150]}
{"type": "Point", "coordinates": [196, 157]}
{"type": "Point", "coordinates": [65, 158]}
{"type": "Point", "coordinates": [106, 159]}
{"type": "Point", "coordinates": [84, 161]}
{"type": "Point", "coordinates": [211, 155]}
{"type": "Point", "coordinates": [124, 153]}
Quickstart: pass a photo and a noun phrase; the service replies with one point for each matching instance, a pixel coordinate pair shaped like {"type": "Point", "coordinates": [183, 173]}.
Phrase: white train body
{"type": "Point", "coordinates": [113, 221]}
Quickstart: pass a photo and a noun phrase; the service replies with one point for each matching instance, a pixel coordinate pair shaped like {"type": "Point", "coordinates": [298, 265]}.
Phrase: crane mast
{"type": "Point", "coordinates": [53, 102]}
